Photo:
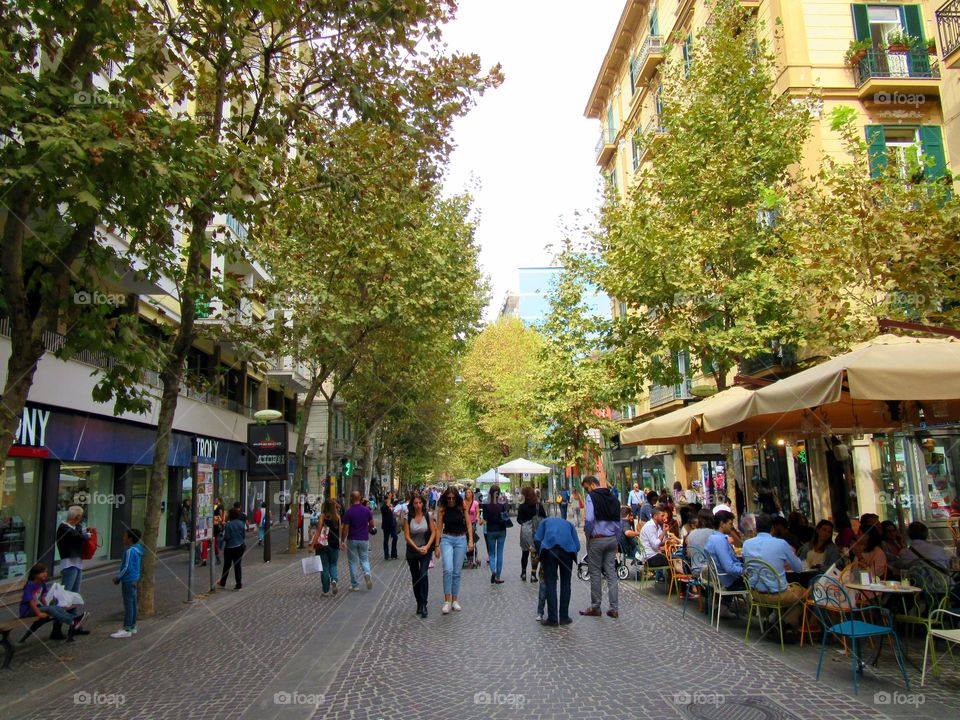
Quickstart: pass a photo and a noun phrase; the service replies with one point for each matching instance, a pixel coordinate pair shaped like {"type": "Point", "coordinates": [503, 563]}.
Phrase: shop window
{"type": "Point", "coordinates": [940, 456]}
{"type": "Point", "coordinates": [138, 499]}
{"type": "Point", "coordinates": [91, 487]}
{"type": "Point", "coordinates": [229, 490]}
{"type": "Point", "coordinates": [19, 499]}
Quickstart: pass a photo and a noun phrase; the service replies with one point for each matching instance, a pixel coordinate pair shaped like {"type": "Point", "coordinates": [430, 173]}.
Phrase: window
{"type": "Point", "coordinates": [914, 149]}
{"type": "Point", "coordinates": [687, 55]}
{"type": "Point", "coordinates": [637, 143]}
{"type": "Point", "coordinates": [654, 21]}
{"type": "Point", "coordinates": [876, 22]}
{"type": "Point", "coordinates": [611, 126]}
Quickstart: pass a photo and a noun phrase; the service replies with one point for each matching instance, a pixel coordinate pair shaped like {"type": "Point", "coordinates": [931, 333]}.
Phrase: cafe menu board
{"type": "Point", "coordinates": [204, 501]}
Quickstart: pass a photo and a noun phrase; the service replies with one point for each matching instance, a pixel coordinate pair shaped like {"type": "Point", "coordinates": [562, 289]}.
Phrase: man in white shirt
{"type": "Point", "coordinates": [724, 505]}
{"type": "Point", "coordinates": [635, 499]}
{"type": "Point", "coordinates": [652, 537]}
{"type": "Point", "coordinates": [400, 512]}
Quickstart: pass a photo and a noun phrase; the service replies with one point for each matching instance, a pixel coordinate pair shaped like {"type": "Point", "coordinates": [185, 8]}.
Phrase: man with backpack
{"type": "Point", "coordinates": [602, 529]}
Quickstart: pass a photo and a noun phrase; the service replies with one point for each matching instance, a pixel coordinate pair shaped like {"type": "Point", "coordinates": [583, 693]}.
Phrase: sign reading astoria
{"type": "Point", "coordinates": [267, 451]}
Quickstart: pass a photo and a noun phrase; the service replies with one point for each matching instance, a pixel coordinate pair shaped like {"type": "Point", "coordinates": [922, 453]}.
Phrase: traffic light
{"type": "Point", "coordinates": [347, 468]}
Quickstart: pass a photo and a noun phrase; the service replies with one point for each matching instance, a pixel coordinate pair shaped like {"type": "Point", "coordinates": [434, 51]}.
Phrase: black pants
{"type": "Point", "coordinates": [419, 567]}
{"type": "Point", "coordinates": [533, 562]}
{"type": "Point", "coordinates": [658, 560]}
{"type": "Point", "coordinates": [389, 535]}
{"type": "Point", "coordinates": [232, 556]}
{"type": "Point", "coordinates": [557, 563]}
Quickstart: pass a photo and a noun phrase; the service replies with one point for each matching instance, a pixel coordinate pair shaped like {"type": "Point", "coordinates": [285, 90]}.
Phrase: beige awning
{"type": "Point", "coordinates": [683, 424]}
{"type": "Point", "coordinates": [852, 389]}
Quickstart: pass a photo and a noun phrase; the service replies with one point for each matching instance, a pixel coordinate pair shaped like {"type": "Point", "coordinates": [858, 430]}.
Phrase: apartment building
{"type": "Point", "coordinates": [907, 101]}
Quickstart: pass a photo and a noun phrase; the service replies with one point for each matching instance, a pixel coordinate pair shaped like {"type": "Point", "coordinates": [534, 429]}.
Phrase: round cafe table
{"type": "Point", "coordinates": [883, 588]}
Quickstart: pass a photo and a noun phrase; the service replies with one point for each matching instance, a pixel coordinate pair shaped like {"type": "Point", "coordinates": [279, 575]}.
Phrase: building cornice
{"type": "Point", "coordinates": [617, 55]}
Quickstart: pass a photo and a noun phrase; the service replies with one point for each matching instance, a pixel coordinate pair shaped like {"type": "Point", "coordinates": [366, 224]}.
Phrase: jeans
{"type": "Point", "coordinates": [389, 534]}
{"type": "Point", "coordinates": [557, 565]}
{"type": "Point", "coordinates": [329, 556]}
{"type": "Point", "coordinates": [542, 593]}
{"type": "Point", "coordinates": [70, 578]}
{"type": "Point", "coordinates": [563, 510]}
{"type": "Point", "coordinates": [232, 556]}
{"type": "Point", "coordinates": [495, 542]}
{"type": "Point", "coordinates": [419, 576]}
{"type": "Point", "coordinates": [453, 548]}
{"type": "Point", "coordinates": [602, 555]}
{"type": "Point", "coordinates": [129, 591]}
{"type": "Point", "coordinates": [358, 557]}
{"type": "Point", "coordinates": [576, 514]}
{"type": "Point", "coordinates": [58, 614]}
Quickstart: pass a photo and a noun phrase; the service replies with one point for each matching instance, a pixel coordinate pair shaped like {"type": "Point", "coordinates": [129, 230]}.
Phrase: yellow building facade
{"type": "Point", "coordinates": [907, 101]}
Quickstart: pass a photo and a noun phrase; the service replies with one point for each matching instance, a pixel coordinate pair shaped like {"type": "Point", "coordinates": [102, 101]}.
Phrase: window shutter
{"type": "Point", "coordinates": [861, 22]}
{"type": "Point", "coordinates": [876, 149]}
{"type": "Point", "coordinates": [931, 140]}
{"type": "Point", "coordinates": [654, 22]}
{"type": "Point", "coordinates": [913, 21]}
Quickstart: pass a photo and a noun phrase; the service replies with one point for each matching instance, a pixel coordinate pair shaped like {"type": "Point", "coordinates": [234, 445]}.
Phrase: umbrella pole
{"type": "Point", "coordinates": [891, 452]}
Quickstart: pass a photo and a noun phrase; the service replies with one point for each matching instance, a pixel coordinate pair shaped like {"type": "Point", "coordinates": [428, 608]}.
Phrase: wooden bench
{"type": "Point", "coordinates": [10, 621]}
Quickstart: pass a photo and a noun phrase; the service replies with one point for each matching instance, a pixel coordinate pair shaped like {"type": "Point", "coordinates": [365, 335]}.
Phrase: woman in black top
{"type": "Point", "coordinates": [388, 524]}
{"type": "Point", "coordinates": [456, 538]}
{"type": "Point", "coordinates": [528, 514]}
{"type": "Point", "coordinates": [492, 515]}
{"type": "Point", "coordinates": [326, 544]}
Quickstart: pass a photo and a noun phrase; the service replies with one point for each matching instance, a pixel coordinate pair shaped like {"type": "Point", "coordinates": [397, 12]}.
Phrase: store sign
{"type": "Point", "coordinates": [206, 447]}
{"type": "Point", "coordinates": [30, 439]}
{"type": "Point", "coordinates": [267, 451]}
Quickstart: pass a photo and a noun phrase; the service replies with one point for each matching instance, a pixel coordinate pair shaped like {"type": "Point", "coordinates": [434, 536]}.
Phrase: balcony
{"type": "Point", "coordinates": [881, 71]}
{"type": "Point", "coordinates": [290, 373]}
{"type": "Point", "coordinates": [650, 55]}
{"type": "Point", "coordinates": [664, 394]}
{"type": "Point", "coordinates": [780, 361]}
{"type": "Point", "coordinates": [948, 23]}
{"type": "Point", "coordinates": [606, 146]}
{"type": "Point", "coordinates": [653, 130]}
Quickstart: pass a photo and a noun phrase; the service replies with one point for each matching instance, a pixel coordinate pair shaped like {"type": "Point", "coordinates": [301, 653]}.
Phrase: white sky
{"type": "Point", "coordinates": [526, 151]}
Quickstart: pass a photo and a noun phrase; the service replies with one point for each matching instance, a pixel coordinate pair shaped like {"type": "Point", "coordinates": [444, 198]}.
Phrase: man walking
{"type": "Point", "coordinates": [564, 503]}
{"type": "Point", "coordinates": [355, 534]}
{"type": "Point", "coordinates": [601, 527]}
{"type": "Point", "coordinates": [635, 499]}
{"type": "Point", "coordinates": [557, 546]}
{"type": "Point", "coordinates": [388, 524]}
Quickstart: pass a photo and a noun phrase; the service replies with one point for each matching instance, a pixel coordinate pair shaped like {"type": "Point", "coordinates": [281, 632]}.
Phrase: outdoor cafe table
{"type": "Point", "coordinates": [893, 589]}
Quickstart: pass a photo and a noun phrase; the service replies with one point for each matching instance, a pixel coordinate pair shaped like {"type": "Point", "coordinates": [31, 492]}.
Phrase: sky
{"type": "Point", "coordinates": [526, 151]}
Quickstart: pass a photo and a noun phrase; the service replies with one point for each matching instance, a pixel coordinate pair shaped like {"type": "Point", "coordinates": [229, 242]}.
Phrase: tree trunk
{"type": "Point", "coordinates": [298, 474]}
{"type": "Point", "coordinates": [368, 457]}
{"type": "Point", "coordinates": [328, 450]}
{"type": "Point", "coordinates": [170, 377]}
{"type": "Point", "coordinates": [25, 355]}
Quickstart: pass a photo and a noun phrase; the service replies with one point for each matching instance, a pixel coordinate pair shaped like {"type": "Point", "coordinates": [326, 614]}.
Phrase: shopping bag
{"type": "Point", "coordinates": [311, 565]}
{"type": "Point", "coordinates": [91, 544]}
{"type": "Point", "coordinates": [63, 597]}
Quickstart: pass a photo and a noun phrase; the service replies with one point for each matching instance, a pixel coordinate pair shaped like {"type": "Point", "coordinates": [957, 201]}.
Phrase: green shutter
{"type": "Point", "coordinates": [876, 149]}
{"type": "Point", "coordinates": [931, 140]}
{"type": "Point", "coordinates": [611, 134]}
{"type": "Point", "coordinates": [654, 22]}
{"type": "Point", "coordinates": [861, 22]}
{"type": "Point", "coordinates": [913, 21]}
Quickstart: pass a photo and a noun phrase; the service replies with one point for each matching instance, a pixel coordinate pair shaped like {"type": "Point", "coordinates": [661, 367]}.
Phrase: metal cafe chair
{"type": "Point", "coordinates": [937, 629]}
{"type": "Point", "coordinates": [830, 600]}
{"type": "Point", "coordinates": [711, 581]}
{"type": "Point", "coordinates": [758, 574]}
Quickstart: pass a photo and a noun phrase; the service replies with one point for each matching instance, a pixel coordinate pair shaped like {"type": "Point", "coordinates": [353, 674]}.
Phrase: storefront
{"type": "Point", "coordinates": [60, 459]}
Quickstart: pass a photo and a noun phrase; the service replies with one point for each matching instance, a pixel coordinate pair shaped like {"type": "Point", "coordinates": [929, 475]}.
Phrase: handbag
{"type": "Point", "coordinates": [90, 545]}
{"type": "Point", "coordinates": [505, 519]}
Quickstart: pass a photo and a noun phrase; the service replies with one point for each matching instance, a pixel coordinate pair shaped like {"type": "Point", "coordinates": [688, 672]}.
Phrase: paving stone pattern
{"type": "Point", "coordinates": [282, 651]}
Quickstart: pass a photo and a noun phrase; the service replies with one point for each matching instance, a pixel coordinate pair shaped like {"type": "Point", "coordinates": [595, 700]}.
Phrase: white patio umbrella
{"type": "Point", "coordinates": [492, 476]}
{"type": "Point", "coordinates": [520, 466]}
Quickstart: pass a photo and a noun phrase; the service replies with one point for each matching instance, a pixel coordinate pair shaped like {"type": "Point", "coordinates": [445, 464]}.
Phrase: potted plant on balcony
{"type": "Point", "coordinates": [857, 51]}
{"type": "Point", "coordinates": [931, 46]}
{"type": "Point", "coordinates": [900, 42]}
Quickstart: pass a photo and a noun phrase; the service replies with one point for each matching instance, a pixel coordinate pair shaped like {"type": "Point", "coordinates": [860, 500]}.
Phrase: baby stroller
{"type": "Point", "coordinates": [623, 572]}
{"type": "Point", "coordinates": [472, 559]}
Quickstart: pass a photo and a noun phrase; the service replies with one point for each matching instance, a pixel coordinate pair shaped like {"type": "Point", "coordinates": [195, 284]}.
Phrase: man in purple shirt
{"type": "Point", "coordinates": [355, 534]}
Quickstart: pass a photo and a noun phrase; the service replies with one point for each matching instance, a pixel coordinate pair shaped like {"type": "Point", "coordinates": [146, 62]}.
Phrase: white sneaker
{"type": "Point", "coordinates": [456, 606]}
{"type": "Point", "coordinates": [445, 609]}
{"type": "Point", "coordinates": [120, 634]}
{"type": "Point", "coordinates": [132, 631]}
{"type": "Point", "coordinates": [539, 618]}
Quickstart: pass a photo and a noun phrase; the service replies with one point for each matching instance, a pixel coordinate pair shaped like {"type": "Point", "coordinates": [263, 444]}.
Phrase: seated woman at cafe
{"type": "Point", "coordinates": [869, 555]}
{"type": "Point", "coordinates": [821, 552]}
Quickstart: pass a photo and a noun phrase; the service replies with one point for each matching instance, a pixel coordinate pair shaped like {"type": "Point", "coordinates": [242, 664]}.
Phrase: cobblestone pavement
{"type": "Point", "coordinates": [282, 651]}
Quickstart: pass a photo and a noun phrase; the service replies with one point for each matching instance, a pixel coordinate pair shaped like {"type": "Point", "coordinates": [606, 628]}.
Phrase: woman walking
{"type": "Point", "coordinates": [492, 515]}
{"type": "Point", "coordinates": [529, 514]}
{"type": "Point", "coordinates": [419, 532]}
{"type": "Point", "coordinates": [234, 545]}
{"type": "Point", "coordinates": [326, 544]}
{"type": "Point", "coordinates": [456, 538]}
{"type": "Point", "coordinates": [577, 506]}
{"type": "Point", "coordinates": [473, 515]}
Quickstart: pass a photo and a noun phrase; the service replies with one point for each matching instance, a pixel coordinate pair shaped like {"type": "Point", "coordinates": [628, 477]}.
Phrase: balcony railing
{"type": "Point", "coordinates": [915, 63]}
{"type": "Point", "coordinates": [663, 394]}
{"type": "Point", "coordinates": [239, 229]}
{"type": "Point", "coordinates": [948, 22]}
{"type": "Point", "coordinates": [654, 126]}
{"type": "Point", "coordinates": [646, 59]}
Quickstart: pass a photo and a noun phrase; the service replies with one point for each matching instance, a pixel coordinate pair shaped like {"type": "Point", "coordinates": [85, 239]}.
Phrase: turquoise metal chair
{"type": "Point", "coordinates": [830, 602]}
{"type": "Point", "coordinates": [697, 563]}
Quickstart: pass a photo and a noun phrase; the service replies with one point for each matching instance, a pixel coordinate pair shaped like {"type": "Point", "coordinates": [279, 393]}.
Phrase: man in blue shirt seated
{"type": "Point", "coordinates": [781, 557]}
{"type": "Point", "coordinates": [719, 547]}
{"type": "Point", "coordinates": [628, 533]}
{"type": "Point", "coordinates": [557, 546]}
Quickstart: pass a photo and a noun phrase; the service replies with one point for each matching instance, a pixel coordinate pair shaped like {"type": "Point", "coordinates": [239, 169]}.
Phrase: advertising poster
{"type": "Point", "coordinates": [204, 501]}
